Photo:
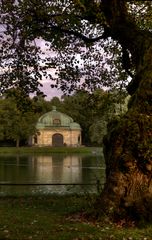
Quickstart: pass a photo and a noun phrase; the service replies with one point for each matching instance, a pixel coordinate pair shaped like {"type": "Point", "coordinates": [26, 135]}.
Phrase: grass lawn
{"type": "Point", "coordinates": [37, 150]}
{"type": "Point", "coordinates": [59, 218]}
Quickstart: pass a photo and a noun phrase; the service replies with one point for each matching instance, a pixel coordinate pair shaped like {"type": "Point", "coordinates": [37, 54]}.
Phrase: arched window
{"type": "Point", "coordinates": [56, 122]}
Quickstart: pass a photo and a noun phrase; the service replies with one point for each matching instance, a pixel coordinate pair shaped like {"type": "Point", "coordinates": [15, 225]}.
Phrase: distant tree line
{"type": "Point", "coordinates": [19, 113]}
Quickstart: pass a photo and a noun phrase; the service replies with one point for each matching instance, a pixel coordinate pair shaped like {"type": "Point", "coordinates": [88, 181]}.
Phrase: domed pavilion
{"type": "Point", "coordinates": [57, 129]}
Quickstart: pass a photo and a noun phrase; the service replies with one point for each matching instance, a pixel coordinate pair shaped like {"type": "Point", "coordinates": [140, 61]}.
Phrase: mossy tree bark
{"type": "Point", "coordinates": [128, 144]}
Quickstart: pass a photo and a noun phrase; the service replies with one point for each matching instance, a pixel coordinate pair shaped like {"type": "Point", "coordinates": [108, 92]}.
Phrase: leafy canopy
{"type": "Point", "coordinates": [79, 44]}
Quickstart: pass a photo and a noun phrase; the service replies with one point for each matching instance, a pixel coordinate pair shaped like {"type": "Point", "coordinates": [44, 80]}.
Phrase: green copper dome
{"type": "Point", "coordinates": [56, 119]}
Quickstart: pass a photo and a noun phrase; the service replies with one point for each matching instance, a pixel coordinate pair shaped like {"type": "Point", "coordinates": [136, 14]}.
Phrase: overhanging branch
{"type": "Point", "coordinates": [78, 34]}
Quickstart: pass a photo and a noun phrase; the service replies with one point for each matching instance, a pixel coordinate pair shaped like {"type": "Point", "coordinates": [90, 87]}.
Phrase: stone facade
{"type": "Point", "coordinates": [57, 129]}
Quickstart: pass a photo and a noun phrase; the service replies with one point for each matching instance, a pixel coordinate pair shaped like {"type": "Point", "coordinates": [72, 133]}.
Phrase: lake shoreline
{"type": "Point", "coordinates": [37, 150]}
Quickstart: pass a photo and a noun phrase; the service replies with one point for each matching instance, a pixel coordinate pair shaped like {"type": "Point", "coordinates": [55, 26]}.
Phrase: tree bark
{"type": "Point", "coordinates": [17, 142]}
{"type": "Point", "coordinates": [128, 144]}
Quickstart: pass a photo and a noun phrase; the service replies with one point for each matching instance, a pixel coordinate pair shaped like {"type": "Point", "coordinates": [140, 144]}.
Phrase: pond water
{"type": "Point", "coordinates": [76, 173]}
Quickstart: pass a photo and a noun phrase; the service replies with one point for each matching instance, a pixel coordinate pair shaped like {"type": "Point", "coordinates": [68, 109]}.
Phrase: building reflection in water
{"type": "Point", "coordinates": [57, 169]}
{"type": "Point", "coordinates": [50, 169]}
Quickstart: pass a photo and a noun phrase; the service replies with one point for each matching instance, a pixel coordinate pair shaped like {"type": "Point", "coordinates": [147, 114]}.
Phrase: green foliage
{"type": "Point", "coordinates": [97, 131]}
{"type": "Point", "coordinates": [91, 110]}
{"type": "Point", "coordinates": [16, 123]}
{"type": "Point", "coordinates": [75, 31]}
{"type": "Point", "coordinates": [142, 13]}
{"type": "Point", "coordinates": [79, 43]}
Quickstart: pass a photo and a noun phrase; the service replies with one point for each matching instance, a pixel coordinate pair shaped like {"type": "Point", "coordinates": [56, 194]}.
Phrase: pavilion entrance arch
{"type": "Point", "coordinates": [57, 140]}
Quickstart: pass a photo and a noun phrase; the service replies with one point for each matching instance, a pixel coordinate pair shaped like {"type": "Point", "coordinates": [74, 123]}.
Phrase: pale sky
{"type": "Point", "coordinates": [50, 92]}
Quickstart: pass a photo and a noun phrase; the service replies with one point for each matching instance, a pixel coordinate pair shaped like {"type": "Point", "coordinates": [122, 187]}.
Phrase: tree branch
{"type": "Point", "coordinates": [78, 34]}
{"type": "Point", "coordinates": [123, 28]}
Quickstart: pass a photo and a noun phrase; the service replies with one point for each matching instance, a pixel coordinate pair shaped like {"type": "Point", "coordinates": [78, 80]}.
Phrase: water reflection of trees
{"type": "Point", "coordinates": [56, 168]}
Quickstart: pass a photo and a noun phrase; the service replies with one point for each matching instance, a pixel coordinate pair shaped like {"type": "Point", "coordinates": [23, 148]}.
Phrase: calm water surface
{"type": "Point", "coordinates": [51, 169]}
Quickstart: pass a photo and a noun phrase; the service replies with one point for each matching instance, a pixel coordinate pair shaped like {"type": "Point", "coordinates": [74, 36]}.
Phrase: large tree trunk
{"type": "Point", "coordinates": [128, 144]}
{"type": "Point", "coordinates": [17, 142]}
{"type": "Point", "coordinates": [128, 156]}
